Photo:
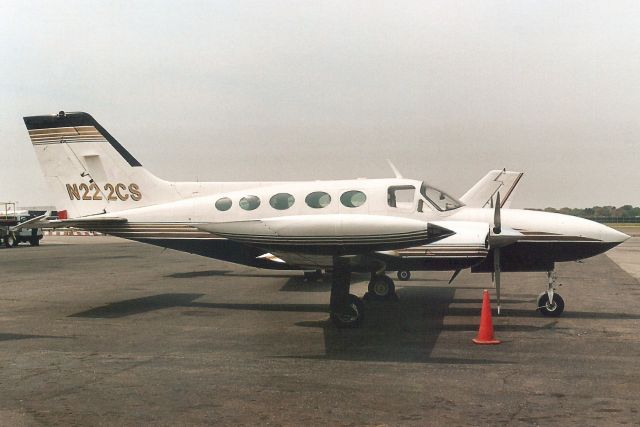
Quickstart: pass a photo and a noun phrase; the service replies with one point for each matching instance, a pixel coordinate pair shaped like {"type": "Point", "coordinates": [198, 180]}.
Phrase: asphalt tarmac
{"type": "Point", "coordinates": [100, 331]}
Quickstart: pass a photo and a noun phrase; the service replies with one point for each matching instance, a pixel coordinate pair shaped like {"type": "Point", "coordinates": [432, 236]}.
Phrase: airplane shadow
{"type": "Point", "coordinates": [230, 273]}
{"type": "Point", "coordinates": [402, 331]}
{"type": "Point", "coordinates": [12, 337]}
{"type": "Point", "coordinates": [295, 278]}
{"type": "Point", "coordinates": [300, 284]}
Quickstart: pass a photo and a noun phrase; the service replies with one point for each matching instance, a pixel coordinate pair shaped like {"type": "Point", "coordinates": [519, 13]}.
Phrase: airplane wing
{"type": "Point", "coordinates": [482, 194]}
{"type": "Point", "coordinates": [466, 245]}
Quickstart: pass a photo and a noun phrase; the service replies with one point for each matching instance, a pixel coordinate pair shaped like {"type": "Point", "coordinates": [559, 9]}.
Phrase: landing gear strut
{"type": "Point", "coordinates": [347, 310]}
{"type": "Point", "coordinates": [551, 303]}
{"type": "Point", "coordinates": [381, 287]}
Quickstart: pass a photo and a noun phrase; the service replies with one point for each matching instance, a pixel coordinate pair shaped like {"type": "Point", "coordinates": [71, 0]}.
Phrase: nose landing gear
{"type": "Point", "coordinates": [404, 275]}
{"type": "Point", "coordinates": [551, 303]}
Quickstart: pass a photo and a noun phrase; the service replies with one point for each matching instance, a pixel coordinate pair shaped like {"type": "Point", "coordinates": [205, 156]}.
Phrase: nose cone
{"type": "Point", "coordinates": [613, 236]}
{"type": "Point", "coordinates": [597, 238]}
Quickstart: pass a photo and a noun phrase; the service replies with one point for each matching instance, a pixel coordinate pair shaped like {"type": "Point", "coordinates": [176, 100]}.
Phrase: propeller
{"type": "Point", "coordinates": [500, 237]}
{"type": "Point", "coordinates": [497, 229]}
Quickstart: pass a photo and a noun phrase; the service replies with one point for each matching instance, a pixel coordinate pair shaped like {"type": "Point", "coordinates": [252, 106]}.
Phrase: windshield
{"type": "Point", "coordinates": [441, 200]}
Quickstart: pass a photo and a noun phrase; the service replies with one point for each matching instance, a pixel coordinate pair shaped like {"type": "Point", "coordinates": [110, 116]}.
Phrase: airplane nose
{"type": "Point", "coordinates": [614, 236]}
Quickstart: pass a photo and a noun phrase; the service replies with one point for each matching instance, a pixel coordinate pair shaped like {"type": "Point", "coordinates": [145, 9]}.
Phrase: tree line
{"type": "Point", "coordinates": [626, 211]}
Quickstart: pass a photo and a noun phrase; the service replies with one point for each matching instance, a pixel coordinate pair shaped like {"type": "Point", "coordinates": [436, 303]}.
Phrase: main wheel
{"type": "Point", "coordinates": [352, 315]}
{"type": "Point", "coordinates": [404, 275]}
{"type": "Point", "coordinates": [11, 240]}
{"type": "Point", "coordinates": [34, 241]}
{"type": "Point", "coordinates": [382, 287]}
{"type": "Point", "coordinates": [550, 308]}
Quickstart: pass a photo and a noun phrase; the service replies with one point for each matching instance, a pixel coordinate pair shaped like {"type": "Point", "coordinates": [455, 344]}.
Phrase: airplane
{"type": "Point", "coordinates": [343, 226]}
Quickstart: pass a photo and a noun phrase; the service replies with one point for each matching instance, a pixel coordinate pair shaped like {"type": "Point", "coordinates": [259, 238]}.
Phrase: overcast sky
{"type": "Point", "coordinates": [297, 90]}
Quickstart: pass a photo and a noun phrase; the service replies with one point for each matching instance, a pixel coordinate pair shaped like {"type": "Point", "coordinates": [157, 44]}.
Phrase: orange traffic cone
{"type": "Point", "coordinates": [485, 333]}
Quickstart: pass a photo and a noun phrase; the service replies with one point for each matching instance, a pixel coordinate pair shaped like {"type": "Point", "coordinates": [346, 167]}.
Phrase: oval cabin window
{"type": "Point", "coordinates": [353, 199]}
{"type": "Point", "coordinates": [282, 201]}
{"type": "Point", "coordinates": [223, 204]}
{"type": "Point", "coordinates": [249, 203]}
{"type": "Point", "coordinates": [318, 199]}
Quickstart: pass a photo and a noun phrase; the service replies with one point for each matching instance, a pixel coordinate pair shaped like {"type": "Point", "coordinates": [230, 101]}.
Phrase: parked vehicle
{"type": "Point", "coordinates": [10, 218]}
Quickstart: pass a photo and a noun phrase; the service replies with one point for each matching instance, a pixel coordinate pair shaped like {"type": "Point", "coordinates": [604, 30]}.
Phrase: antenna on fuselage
{"type": "Point", "coordinates": [395, 170]}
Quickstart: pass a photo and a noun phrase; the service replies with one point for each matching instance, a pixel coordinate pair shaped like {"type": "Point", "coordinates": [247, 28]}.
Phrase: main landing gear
{"type": "Point", "coordinates": [347, 310]}
{"type": "Point", "coordinates": [551, 303]}
{"type": "Point", "coordinates": [381, 287]}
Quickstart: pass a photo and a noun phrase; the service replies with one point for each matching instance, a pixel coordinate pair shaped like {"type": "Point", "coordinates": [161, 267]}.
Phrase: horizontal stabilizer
{"type": "Point", "coordinates": [88, 223]}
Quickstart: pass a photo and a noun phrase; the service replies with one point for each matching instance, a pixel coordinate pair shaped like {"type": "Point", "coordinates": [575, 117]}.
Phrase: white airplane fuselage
{"type": "Point", "coordinates": [546, 237]}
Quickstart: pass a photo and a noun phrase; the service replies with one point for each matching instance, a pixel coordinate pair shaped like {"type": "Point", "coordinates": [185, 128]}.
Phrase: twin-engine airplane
{"type": "Point", "coordinates": [361, 225]}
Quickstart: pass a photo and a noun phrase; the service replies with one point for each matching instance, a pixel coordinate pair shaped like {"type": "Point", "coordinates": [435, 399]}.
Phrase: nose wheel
{"type": "Point", "coordinates": [550, 307]}
{"type": "Point", "coordinates": [404, 275]}
{"type": "Point", "coordinates": [550, 303]}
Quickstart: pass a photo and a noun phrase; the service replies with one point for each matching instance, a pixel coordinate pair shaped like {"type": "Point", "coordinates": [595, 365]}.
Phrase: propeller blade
{"type": "Point", "coordinates": [497, 224]}
{"type": "Point", "coordinates": [496, 275]}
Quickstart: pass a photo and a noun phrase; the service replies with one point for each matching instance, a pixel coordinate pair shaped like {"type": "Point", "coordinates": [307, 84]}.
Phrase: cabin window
{"type": "Point", "coordinates": [318, 199]}
{"type": "Point", "coordinates": [249, 203]}
{"type": "Point", "coordinates": [353, 199]}
{"type": "Point", "coordinates": [223, 204]}
{"type": "Point", "coordinates": [282, 201]}
{"type": "Point", "coordinates": [401, 196]}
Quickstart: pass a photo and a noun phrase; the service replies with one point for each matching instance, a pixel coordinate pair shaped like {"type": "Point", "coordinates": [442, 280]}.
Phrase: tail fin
{"type": "Point", "coordinates": [482, 194]}
{"type": "Point", "coordinates": [87, 170]}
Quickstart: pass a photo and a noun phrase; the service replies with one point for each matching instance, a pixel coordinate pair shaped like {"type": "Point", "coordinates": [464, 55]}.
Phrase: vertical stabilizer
{"type": "Point", "coordinates": [87, 170]}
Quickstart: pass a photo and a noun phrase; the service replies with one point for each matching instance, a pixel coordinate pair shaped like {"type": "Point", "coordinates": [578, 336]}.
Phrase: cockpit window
{"type": "Point", "coordinates": [401, 196]}
{"type": "Point", "coordinates": [441, 200]}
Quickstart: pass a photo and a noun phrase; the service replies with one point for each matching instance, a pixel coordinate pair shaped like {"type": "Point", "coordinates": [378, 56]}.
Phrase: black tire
{"type": "Point", "coordinates": [381, 287]}
{"type": "Point", "coordinates": [34, 241]}
{"type": "Point", "coordinates": [6, 242]}
{"type": "Point", "coordinates": [554, 309]}
{"type": "Point", "coordinates": [354, 315]}
{"type": "Point", "coordinates": [404, 275]}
